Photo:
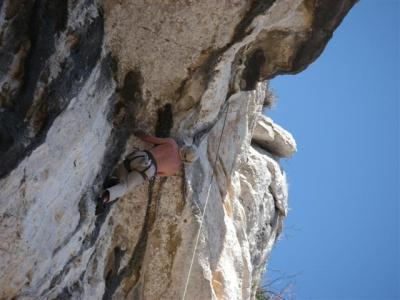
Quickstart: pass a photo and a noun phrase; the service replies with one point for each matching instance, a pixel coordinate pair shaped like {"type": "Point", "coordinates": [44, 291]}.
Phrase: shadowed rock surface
{"type": "Point", "coordinates": [77, 76]}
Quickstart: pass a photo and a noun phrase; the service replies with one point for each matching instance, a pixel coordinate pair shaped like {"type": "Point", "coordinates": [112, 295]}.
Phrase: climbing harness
{"type": "Point", "coordinates": [143, 161]}
{"type": "Point", "coordinates": [205, 205]}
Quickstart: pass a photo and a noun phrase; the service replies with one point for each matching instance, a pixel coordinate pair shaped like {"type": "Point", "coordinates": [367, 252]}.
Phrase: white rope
{"type": "Point", "coordinates": [205, 206]}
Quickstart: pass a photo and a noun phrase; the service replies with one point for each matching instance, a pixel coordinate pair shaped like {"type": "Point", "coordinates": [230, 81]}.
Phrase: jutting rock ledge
{"type": "Point", "coordinates": [77, 76]}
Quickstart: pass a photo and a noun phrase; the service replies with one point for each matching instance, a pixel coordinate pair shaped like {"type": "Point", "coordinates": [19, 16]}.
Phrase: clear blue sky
{"type": "Point", "coordinates": [342, 235]}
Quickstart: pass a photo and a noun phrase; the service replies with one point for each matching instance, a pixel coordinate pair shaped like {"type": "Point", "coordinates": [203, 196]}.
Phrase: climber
{"type": "Point", "coordinates": [165, 159]}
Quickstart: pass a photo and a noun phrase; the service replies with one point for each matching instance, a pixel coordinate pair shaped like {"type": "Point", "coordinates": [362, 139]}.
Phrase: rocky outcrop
{"type": "Point", "coordinates": [77, 76]}
{"type": "Point", "coordinates": [273, 138]}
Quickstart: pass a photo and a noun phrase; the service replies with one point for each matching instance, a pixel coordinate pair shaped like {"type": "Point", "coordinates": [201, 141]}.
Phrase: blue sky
{"type": "Point", "coordinates": [342, 236]}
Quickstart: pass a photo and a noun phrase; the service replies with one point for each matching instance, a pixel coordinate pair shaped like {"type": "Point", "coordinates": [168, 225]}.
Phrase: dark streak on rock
{"type": "Point", "coordinates": [201, 134]}
{"type": "Point", "coordinates": [136, 259]}
{"type": "Point", "coordinates": [328, 16]}
{"type": "Point", "coordinates": [8, 127]}
{"type": "Point", "coordinates": [15, 33]}
{"type": "Point", "coordinates": [116, 262]}
{"type": "Point", "coordinates": [115, 149]}
{"type": "Point", "coordinates": [131, 91]}
{"type": "Point", "coordinates": [251, 73]}
{"type": "Point", "coordinates": [257, 8]}
{"type": "Point", "coordinates": [42, 27]}
{"type": "Point", "coordinates": [82, 217]}
{"type": "Point", "coordinates": [61, 9]}
{"type": "Point", "coordinates": [57, 278]}
{"type": "Point", "coordinates": [70, 292]}
{"type": "Point", "coordinates": [58, 93]}
{"type": "Point", "coordinates": [164, 121]}
{"type": "Point", "coordinates": [116, 146]}
{"type": "Point", "coordinates": [64, 295]}
{"type": "Point", "coordinates": [129, 95]}
{"type": "Point", "coordinates": [206, 70]}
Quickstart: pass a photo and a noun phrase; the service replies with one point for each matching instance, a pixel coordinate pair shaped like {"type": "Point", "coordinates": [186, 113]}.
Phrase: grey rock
{"type": "Point", "coordinates": [273, 138]}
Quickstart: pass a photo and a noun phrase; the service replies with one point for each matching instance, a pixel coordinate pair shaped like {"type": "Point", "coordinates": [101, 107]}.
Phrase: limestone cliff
{"type": "Point", "coordinates": [78, 75]}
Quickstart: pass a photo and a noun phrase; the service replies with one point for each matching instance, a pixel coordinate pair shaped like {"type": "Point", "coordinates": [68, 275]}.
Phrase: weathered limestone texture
{"type": "Point", "coordinates": [273, 138]}
{"type": "Point", "coordinates": [77, 76]}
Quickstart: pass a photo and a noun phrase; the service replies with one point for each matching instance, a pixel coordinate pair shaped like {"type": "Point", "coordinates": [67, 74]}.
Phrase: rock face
{"type": "Point", "coordinates": [77, 76]}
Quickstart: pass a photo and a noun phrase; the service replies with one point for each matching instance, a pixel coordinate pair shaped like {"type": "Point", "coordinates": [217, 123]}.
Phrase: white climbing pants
{"type": "Point", "coordinates": [135, 169]}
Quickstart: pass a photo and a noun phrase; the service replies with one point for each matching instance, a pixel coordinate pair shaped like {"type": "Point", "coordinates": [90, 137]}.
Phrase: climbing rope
{"type": "Point", "coordinates": [205, 205]}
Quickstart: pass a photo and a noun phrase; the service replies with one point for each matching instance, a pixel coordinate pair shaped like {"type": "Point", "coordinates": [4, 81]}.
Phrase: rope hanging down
{"type": "Point", "coordinates": [205, 205]}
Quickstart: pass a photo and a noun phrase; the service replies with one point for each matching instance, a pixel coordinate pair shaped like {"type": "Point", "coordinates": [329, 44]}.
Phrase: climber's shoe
{"type": "Point", "coordinates": [103, 202]}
